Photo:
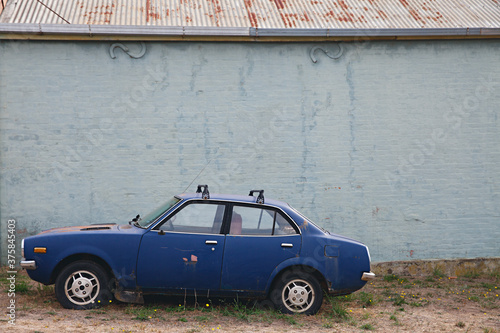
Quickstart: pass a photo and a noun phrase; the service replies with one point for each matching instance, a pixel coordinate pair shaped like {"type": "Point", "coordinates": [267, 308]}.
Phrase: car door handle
{"type": "Point", "coordinates": [211, 242]}
{"type": "Point", "coordinates": [286, 245]}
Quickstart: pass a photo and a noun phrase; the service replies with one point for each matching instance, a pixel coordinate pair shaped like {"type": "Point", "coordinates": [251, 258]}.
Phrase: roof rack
{"type": "Point", "coordinates": [205, 194]}
{"type": "Point", "coordinates": [260, 198]}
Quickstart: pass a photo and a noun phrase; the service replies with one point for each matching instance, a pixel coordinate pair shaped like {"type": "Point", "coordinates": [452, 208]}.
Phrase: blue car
{"type": "Point", "coordinates": [200, 244]}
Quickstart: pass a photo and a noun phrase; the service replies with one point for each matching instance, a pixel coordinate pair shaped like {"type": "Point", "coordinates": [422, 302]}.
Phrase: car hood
{"type": "Point", "coordinates": [92, 227]}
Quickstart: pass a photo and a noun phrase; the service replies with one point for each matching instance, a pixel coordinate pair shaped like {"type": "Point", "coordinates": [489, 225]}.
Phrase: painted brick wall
{"type": "Point", "coordinates": [396, 144]}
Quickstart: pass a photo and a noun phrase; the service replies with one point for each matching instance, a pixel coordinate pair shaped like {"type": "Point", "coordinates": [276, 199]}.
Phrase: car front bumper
{"type": "Point", "coordinates": [28, 264]}
{"type": "Point", "coordinates": [368, 276]}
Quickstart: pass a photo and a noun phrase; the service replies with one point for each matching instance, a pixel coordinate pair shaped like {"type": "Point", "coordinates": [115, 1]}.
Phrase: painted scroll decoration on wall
{"type": "Point", "coordinates": [326, 52]}
{"type": "Point", "coordinates": [135, 55]}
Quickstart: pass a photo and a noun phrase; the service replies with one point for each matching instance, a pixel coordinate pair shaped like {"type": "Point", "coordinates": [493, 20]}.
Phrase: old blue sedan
{"type": "Point", "coordinates": [214, 245]}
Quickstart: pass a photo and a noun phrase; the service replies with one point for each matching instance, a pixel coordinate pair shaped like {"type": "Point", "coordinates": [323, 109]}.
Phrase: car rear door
{"type": "Point", "coordinates": [259, 239]}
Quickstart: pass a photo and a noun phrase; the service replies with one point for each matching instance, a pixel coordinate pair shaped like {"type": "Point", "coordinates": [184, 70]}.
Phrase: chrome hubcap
{"type": "Point", "coordinates": [82, 287]}
{"type": "Point", "coordinates": [298, 295]}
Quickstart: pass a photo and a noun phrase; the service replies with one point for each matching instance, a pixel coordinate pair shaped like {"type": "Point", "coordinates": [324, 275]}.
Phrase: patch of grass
{"type": "Point", "coordinates": [395, 319]}
{"type": "Point", "coordinates": [52, 313]}
{"type": "Point", "coordinates": [338, 309]}
{"type": "Point", "coordinates": [471, 274]}
{"type": "Point", "coordinates": [366, 316]}
{"type": "Point", "coordinates": [179, 308]}
{"type": "Point", "coordinates": [416, 304]}
{"type": "Point", "coordinates": [495, 274]}
{"type": "Point", "coordinates": [327, 325]}
{"type": "Point", "coordinates": [489, 304]}
{"type": "Point", "coordinates": [22, 287]}
{"type": "Point", "coordinates": [390, 278]}
{"type": "Point", "coordinates": [242, 311]}
{"type": "Point", "coordinates": [183, 319]}
{"type": "Point", "coordinates": [460, 324]}
{"type": "Point", "coordinates": [399, 301]}
{"type": "Point", "coordinates": [203, 318]}
{"type": "Point", "coordinates": [438, 273]}
{"type": "Point", "coordinates": [366, 299]}
{"type": "Point", "coordinates": [44, 290]}
{"type": "Point", "coordinates": [486, 285]}
{"type": "Point", "coordinates": [142, 313]}
{"type": "Point", "coordinates": [367, 327]}
{"type": "Point", "coordinates": [291, 320]}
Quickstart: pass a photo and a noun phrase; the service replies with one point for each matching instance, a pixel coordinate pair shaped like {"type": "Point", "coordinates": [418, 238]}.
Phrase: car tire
{"type": "Point", "coordinates": [83, 285]}
{"type": "Point", "coordinates": [297, 292]}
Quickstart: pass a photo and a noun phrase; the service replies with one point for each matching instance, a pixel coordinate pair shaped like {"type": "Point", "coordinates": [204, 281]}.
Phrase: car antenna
{"type": "Point", "coordinates": [201, 171]}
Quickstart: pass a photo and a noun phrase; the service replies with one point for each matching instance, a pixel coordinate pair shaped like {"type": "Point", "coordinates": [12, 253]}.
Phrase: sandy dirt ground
{"type": "Point", "coordinates": [389, 304]}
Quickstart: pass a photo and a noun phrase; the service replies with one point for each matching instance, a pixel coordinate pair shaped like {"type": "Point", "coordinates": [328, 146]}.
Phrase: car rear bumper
{"type": "Point", "coordinates": [28, 264]}
{"type": "Point", "coordinates": [368, 276]}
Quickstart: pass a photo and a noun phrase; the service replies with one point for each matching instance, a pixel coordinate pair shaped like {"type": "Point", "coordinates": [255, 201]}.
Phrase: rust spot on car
{"type": "Point", "coordinates": [193, 259]}
{"type": "Point", "coordinates": [304, 225]}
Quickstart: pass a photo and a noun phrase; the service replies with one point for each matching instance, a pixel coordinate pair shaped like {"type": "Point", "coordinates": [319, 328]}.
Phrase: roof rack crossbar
{"type": "Point", "coordinates": [205, 194]}
{"type": "Point", "coordinates": [260, 198]}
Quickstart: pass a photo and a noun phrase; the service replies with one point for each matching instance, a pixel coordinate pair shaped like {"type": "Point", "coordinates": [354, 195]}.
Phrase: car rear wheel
{"type": "Point", "coordinates": [297, 292]}
{"type": "Point", "coordinates": [82, 285]}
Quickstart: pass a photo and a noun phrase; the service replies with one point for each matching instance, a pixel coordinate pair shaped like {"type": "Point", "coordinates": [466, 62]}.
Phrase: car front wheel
{"type": "Point", "coordinates": [82, 285]}
{"type": "Point", "coordinates": [297, 293]}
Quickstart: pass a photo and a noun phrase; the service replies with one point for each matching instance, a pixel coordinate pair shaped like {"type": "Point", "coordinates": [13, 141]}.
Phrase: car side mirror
{"type": "Point", "coordinates": [161, 232]}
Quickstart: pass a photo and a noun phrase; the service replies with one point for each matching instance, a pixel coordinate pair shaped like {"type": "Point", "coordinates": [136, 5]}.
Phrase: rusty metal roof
{"type": "Point", "coordinates": [286, 17]}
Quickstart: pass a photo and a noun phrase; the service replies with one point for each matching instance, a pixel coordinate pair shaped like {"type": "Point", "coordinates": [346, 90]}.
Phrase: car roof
{"type": "Point", "coordinates": [233, 198]}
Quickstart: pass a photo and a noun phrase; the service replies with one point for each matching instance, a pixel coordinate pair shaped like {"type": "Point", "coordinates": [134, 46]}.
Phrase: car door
{"type": "Point", "coordinates": [259, 239]}
{"type": "Point", "coordinates": [185, 250]}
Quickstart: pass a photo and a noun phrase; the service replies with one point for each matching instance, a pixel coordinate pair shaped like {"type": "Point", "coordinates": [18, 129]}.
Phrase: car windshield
{"type": "Point", "coordinates": [151, 217]}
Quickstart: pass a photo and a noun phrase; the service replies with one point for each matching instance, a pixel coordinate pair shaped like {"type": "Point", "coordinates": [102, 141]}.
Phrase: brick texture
{"type": "Point", "coordinates": [396, 144]}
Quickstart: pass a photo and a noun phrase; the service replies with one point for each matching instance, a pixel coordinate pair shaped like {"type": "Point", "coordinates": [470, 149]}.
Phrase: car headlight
{"type": "Point", "coordinates": [22, 248]}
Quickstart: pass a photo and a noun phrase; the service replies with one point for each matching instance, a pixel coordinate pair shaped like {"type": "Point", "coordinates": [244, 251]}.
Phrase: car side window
{"type": "Point", "coordinates": [258, 221]}
{"type": "Point", "coordinates": [283, 227]}
{"type": "Point", "coordinates": [204, 218]}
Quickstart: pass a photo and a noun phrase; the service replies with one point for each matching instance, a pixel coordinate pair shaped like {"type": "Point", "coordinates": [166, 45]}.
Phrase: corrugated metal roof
{"type": "Point", "coordinates": [270, 14]}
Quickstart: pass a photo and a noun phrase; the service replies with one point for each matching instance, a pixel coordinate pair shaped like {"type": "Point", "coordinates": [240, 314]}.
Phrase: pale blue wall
{"type": "Point", "coordinates": [396, 144]}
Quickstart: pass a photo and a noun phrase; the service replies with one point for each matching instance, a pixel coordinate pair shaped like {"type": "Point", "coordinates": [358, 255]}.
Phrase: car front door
{"type": "Point", "coordinates": [259, 239]}
{"type": "Point", "coordinates": [184, 251]}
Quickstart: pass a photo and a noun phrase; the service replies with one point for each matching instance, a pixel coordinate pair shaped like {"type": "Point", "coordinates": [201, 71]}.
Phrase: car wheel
{"type": "Point", "coordinates": [297, 292]}
{"type": "Point", "coordinates": [82, 285]}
